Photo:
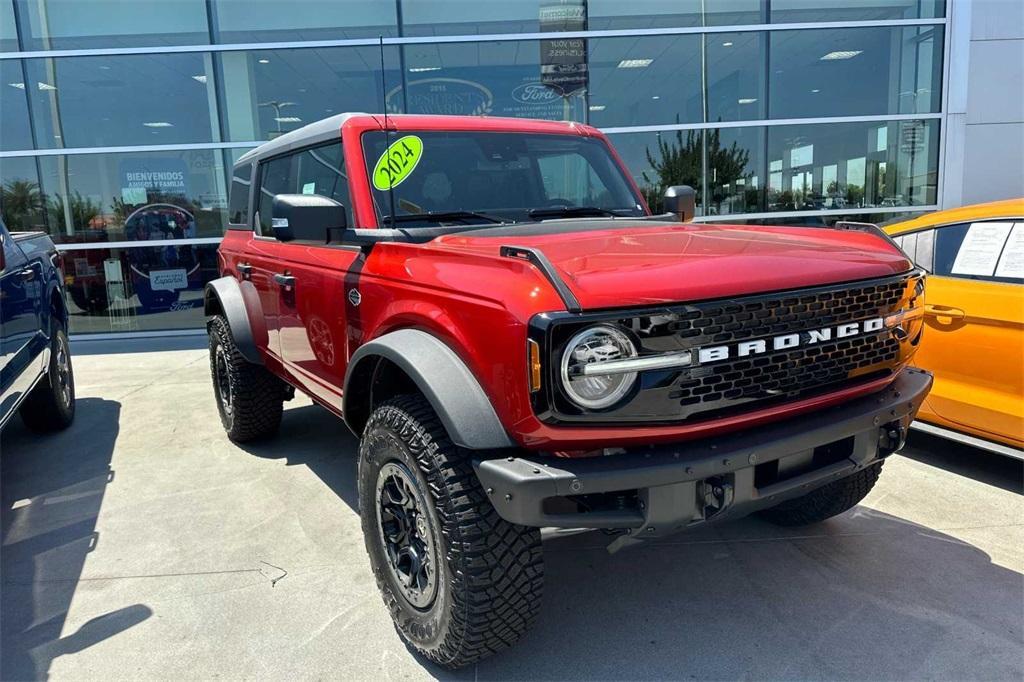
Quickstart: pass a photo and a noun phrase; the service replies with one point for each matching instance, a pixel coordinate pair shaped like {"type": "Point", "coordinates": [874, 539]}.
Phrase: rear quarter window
{"type": "Point", "coordinates": [238, 202]}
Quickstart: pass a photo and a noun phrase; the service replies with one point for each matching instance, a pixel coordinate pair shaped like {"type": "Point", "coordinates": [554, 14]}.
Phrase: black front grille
{"type": "Point", "coordinates": [713, 388]}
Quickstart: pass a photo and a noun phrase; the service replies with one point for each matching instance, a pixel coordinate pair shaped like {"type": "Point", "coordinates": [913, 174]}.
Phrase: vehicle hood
{"type": "Point", "coordinates": [615, 263]}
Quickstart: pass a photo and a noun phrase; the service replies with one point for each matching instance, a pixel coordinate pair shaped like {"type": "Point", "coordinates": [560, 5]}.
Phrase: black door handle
{"type": "Point", "coordinates": [27, 275]}
{"type": "Point", "coordinates": [245, 270]}
{"type": "Point", "coordinates": [284, 280]}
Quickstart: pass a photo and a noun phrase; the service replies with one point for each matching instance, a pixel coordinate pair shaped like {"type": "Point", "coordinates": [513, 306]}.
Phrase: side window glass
{"type": "Point", "coordinates": [275, 178]}
{"type": "Point", "coordinates": [990, 251]}
{"type": "Point", "coordinates": [238, 204]}
{"type": "Point", "coordinates": [920, 246]}
{"type": "Point", "coordinates": [322, 171]}
{"type": "Point", "coordinates": [12, 254]}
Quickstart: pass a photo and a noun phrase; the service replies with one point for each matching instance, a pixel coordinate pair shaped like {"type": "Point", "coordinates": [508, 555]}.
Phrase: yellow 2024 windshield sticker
{"type": "Point", "coordinates": [397, 162]}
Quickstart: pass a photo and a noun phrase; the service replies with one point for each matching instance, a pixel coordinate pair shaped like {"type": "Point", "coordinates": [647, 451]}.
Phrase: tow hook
{"type": "Point", "coordinates": [891, 438]}
{"type": "Point", "coordinates": [717, 496]}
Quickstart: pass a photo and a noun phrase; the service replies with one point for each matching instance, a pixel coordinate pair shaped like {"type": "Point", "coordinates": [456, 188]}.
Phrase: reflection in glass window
{"type": "Point", "coordinates": [660, 160]}
{"type": "Point", "coordinates": [138, 289]}
{"type": "Point", "coordinates": [735, 68]}
{"type": "Point", "coordinates": [734, 12]}
{"type": "Point", "coordinates": [472, 17]}
{"type": "Point", "coordinates": [15, 132]}
{"type": "Point", "coordinates": [8, 31]}
{"type": "Point", "coordinates": [120, 100]}
{"type": "Point", "coordinates": [855, 71]}
{"type": "Point", "coordinates": [793, 11]}
{"type": "Point", "coordinates": [255, 21]}
{"type": "Point", "coordinates": [735, 176]}
{"type": "Point", "coordinates": [119, 197]}
{"type": "Point", "coordinates": [473, 79]}
{"type": "Point", "coordinates": [270, 92]}
{"type": "Point", "coordinates": [241, 184]}
{"type": "Point", "coordinates": [837, 166]}
{"type": "Point", "coordinates": [615, 14]}
{"type": "Point", "coordinates": [23, 204]}
{"type": "Point", "coordinates": [645, 81]}
{"type": "Point", "coordinates": [314, 171]}
{"type": "Point", "coordinates": [78, 24]}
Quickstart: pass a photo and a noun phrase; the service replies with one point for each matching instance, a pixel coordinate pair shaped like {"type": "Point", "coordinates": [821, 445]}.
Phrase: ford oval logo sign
{"type": "Point", "coordinates": [443, 96]}
{"type": "Point", "coordinates": [534, 93]}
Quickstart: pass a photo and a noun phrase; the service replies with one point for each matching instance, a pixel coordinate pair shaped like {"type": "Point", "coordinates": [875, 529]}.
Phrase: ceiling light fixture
{"type": "Point", "coordinates": [20, 86]}
{"type": "Point", "coordinates": [727, 44]}
{"type": "Point", "coordinates": [815, 90]}
{"type": "Point", "coordinates": [201, 78]}
{"type": "Point", "coordinates": [45, 86]}
{"type": "Point", "coordinates": [597, 107]}
{"type": "Point", "coordinates": [421, 69]}
{"type": "Point", "coordinates": [287, 119]}
{"type": "Point", "coordinates": [263, 61]}
{"type": "Point", "coordinates": [634, 63]}
{"type": "Point", "coordinates": [746, 100]}
{"type": "Point", "coordinates": [158, 124]}
{"type": "Point", "coordinates": [840, 54]}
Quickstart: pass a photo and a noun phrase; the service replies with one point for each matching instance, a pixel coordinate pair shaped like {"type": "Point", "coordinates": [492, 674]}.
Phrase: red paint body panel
{"type": "Point", "coordinates": [461, 290]}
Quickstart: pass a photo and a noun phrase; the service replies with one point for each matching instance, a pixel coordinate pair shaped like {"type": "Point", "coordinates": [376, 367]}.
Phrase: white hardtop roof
{"type": "Point", "coordinates": [319, 131]}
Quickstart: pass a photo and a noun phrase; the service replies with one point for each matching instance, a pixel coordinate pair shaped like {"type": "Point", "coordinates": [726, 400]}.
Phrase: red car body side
{"type": "Point", "coordinates": [461, 290]}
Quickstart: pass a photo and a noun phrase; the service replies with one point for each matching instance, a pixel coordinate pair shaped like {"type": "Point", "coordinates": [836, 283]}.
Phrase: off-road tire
{"type": "Point", "coordinates": [490, 572]}
{"type": "Point", "coordinates": [255, 399]}
{"type": "Point", "coordinates": [47, 408]}
{"type": "Point", "coordinates": [825, 502]}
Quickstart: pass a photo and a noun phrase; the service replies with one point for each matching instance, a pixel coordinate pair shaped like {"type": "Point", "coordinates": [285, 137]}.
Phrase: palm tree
{"type": "Point", "coordinates": [20, 202]}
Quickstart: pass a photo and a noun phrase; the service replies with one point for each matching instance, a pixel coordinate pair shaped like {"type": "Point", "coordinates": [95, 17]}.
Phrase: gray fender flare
{"type": "Point", "coordinates": [461, 404]}
{"type": "Point", "coordinates": [225, 295]}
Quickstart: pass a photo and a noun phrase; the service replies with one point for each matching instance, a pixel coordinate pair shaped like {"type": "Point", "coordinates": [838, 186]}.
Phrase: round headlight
{"type": "Point", "coordinates": [592, 347]}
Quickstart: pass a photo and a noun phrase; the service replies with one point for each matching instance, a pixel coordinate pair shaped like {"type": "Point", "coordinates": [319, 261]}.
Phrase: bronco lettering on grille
{"type": "Point", "coordinates": [710, 354]}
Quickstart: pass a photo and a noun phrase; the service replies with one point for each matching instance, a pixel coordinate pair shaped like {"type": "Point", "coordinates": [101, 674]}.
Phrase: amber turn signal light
{"type": "Point", "coordinates": [534, 357]}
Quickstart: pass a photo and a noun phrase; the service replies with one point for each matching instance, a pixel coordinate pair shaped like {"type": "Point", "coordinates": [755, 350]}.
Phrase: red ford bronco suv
{"type": "Point", "coordinates": [519, 344]}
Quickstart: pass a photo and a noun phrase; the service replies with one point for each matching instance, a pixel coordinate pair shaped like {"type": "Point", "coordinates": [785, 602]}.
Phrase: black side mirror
{"type": "Point", "coordinates": [682, 201]}
{"type": "Point", "coordinates": [306, 217]}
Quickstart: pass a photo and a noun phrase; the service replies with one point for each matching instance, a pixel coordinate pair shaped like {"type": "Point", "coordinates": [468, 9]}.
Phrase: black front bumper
{"type": "Point", "coordinates": [663, 489]}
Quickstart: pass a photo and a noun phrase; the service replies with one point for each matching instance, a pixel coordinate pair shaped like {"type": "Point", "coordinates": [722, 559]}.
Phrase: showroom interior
{"type": "Point", "coordinates": [119, 129]}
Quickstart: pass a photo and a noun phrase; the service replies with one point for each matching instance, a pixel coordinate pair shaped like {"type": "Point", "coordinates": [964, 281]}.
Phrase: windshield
{"type": "Point", "coordinates": [487, 177]}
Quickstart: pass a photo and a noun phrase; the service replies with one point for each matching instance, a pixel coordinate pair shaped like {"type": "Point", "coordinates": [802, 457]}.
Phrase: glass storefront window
{"type": "Point", "coordinates": [794, 11]}
{"type": "Point", "coordinates": [122, 100]}
{"type": "Point", "coordinates": [80, 24]}
{"type": "Point", "coordinates": [735, 175]}
{"type": "Point", "coordinates": [852, 165]}
{"type": "Point", "coordinates": [645, 81]}
{"type": "Point", "coordinates": [735, 12]}
{"type": "Point", "coordinates": [659, 160]}
{"type": "Point", "coordinates": [855, 72]}
{"type": "Point", "coordinates": [15, 132]}
{"type": "Point", "coordinates": [257, 21]}
{"type": "Point", "coordinates": [137, 289]}
{"type": "Point", "coordinates": [472, 17]}
{"type": "Point", "coordinates": [267, 93]}
{"type": "Point", "coordinates": [736, 77]}
{"type": "Point", "coordinates": [118, 197]}
{"type": "Point", "coordinates": [615, 14]}
{"type": "Point", "coordinates": [8, 30]}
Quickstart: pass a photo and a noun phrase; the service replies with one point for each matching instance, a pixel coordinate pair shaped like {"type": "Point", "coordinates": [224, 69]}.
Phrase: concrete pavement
{"type": "Point", "coordinates": [142, 544]}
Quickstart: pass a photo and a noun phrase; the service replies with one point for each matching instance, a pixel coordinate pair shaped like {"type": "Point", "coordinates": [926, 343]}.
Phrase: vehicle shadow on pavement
{"type": "Point", "coordinates": [866, 595]}
{"type": "Point", "coordinates": [312, 436]}
{"type": "Point", "coordinates": [963, 460]}
{"type": "Point", "coordinates": [52, 489]}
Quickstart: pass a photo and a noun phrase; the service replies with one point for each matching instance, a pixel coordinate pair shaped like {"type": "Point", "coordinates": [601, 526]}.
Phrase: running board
{"type": "Point", "coordinates": [973, 441]}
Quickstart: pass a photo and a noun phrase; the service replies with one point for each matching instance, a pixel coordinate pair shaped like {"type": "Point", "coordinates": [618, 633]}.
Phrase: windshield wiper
{"type": "Point", "coordinates": [443, 216]}
{"type": "Point", "coordinates": [571, 212]}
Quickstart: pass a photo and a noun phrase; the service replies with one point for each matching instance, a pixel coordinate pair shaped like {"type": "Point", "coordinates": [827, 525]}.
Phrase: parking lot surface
{"type": "Point", "coordinates": [141, 543]}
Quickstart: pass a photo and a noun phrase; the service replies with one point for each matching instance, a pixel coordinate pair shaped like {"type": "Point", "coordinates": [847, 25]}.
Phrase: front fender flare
{"type": "Point", "coordinates": [442, 377]}
{"type": "Point", "coordinates": [224, 295]}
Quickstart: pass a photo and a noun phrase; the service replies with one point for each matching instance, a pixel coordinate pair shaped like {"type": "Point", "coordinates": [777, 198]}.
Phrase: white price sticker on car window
{"type": "Point", "coordinates": [1011, 262]}
{"type": "Point", "coordinates": [980, 249]}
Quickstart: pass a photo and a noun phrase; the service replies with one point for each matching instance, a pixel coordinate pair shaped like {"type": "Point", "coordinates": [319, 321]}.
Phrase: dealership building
{"type": "Point", "coordinates": [120, 121]}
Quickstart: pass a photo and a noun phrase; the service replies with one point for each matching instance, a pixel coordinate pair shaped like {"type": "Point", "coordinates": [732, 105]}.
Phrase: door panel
{"type": "Point", "coordinates": [974, 343]}
{"type": "Point", "coordinates": [313, 318]}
